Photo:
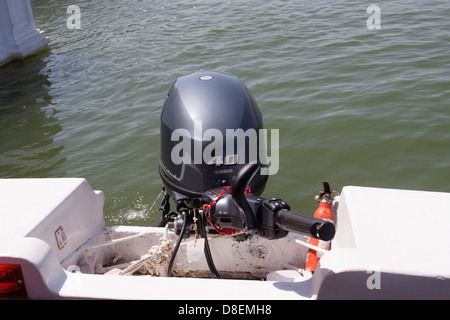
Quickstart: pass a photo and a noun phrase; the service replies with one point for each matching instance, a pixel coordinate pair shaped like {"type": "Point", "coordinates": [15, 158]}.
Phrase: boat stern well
{"type": "Point", "coordinates": [118, 247]}
{"type": "Point", "coordinates": [94, 269]}
{"type": "Point", "coordinates": [45, 278]}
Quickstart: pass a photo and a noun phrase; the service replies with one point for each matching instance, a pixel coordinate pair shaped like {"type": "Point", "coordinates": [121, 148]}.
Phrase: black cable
{"type": "Point", "coordinates": [177, 245]}
{"type": "Point", "coordinates": [207, 250]}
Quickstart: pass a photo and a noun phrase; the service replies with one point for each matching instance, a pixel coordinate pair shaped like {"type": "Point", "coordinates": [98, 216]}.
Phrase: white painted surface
{"type": "Point", "coordinates": [399, 236]}
{"type": "Point", "coordinates": [409, 223]}
{"type": "Point", "coordinates": [19, 37]}
{"type": "Point", "coordinates": [39, 207]}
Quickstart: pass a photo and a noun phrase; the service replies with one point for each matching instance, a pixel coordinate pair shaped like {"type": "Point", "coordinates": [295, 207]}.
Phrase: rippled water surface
{"type": "Point", "coordinates": [353, 106]}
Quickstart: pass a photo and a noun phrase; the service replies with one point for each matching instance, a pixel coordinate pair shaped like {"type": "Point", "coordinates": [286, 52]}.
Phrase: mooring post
{"type": "Point", "coordinates": [19, 37]}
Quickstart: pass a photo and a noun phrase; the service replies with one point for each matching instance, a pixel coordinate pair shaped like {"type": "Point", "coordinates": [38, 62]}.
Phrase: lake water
{"type": "Point", "coordinates": [354, 106]}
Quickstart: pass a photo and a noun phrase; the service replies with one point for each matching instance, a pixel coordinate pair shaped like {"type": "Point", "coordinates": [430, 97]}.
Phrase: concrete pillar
{"type": "Point", "coordinates": [19, 37]}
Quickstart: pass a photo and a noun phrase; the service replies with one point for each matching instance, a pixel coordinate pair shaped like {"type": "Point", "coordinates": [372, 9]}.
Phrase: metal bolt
{"type": "Point", "coordinates": [260, 251]}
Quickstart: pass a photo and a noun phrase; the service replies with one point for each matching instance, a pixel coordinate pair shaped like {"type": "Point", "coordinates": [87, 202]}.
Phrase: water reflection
{"type": "Point", "coordinates": [28, 125]}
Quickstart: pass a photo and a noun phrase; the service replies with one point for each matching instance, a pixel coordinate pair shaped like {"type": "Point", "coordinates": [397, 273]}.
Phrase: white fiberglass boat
{"type": "Point", "coordinates": [223, 241]}
{"type": "Point", "coordinates": [54, 245]}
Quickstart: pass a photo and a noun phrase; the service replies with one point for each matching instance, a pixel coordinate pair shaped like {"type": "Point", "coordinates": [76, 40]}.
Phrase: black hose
{"type": "Point", "coordinates": [177, 245]}
{"type": "Point", "coordinates": [242, 179]}
{"type": "Point", "coordinates": [207, 250]}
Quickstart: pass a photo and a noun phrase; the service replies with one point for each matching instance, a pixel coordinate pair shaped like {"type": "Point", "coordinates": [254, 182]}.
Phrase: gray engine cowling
{"type": "Point", "coordinates": [201, 106]}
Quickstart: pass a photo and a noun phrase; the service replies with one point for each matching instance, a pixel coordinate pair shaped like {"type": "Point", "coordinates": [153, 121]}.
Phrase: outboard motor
{"type": "Point", "coordinates": [205, 111]}
{"type": "Point", "coordinates": [210, 165]}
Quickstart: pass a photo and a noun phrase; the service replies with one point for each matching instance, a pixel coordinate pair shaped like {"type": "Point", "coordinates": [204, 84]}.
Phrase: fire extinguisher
{"type": "Point", "coordinates": [324, 212]}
